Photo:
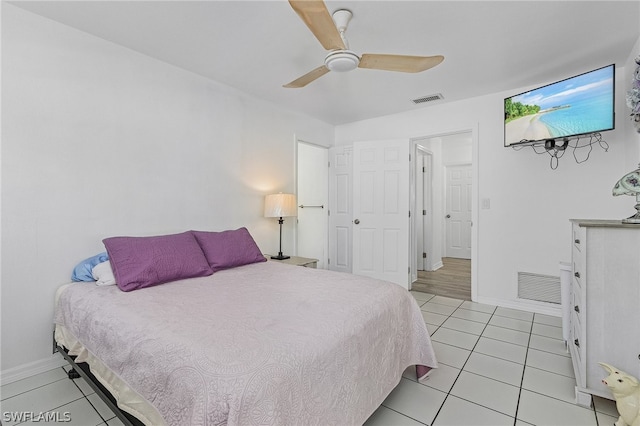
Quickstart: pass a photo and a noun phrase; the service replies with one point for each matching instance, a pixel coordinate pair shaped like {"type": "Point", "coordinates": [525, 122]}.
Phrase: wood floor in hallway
{"type": "Point", "coordinates": [452, 280]}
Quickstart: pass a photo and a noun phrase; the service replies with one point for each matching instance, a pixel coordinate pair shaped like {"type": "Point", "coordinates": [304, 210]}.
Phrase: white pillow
{"type": "Point", "coordinates": [103, 274]}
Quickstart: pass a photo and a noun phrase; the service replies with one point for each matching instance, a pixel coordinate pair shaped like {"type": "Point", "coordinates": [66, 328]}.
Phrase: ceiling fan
{"type": "Point", "coordinates": [330, 32]}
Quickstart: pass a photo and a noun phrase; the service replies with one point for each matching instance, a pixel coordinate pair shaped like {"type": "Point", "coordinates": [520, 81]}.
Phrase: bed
{"type": "Point", "coordinates": [261, 343]}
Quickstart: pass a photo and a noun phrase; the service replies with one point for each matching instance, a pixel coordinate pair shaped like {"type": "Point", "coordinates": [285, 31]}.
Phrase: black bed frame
{"type": "Point", "coordinates": [81, 369]}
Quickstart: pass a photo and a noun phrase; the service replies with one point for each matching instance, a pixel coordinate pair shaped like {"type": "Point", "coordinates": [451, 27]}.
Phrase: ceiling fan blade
{"type": "Point", "coordinates": [314, 13]}
{"type": "Point", "coordinates": [307, 78]}
{"type": "Point", "coordinates": [401, 63]}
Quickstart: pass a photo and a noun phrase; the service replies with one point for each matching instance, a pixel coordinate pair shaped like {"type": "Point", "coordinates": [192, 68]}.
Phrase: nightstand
{"type": "Point", "coordinates": [297, 261]}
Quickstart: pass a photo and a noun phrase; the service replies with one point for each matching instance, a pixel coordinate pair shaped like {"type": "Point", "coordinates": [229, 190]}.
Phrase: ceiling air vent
{"type": "Point", "coordinates": [429, 98]}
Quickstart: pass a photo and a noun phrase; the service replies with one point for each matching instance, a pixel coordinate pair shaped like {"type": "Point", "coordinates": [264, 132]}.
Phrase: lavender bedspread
{"type": "Point", "coordinates": [259, 344]}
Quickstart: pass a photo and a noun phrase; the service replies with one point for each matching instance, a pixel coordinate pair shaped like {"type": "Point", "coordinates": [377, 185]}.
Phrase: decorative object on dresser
{"type": "Point", "coordinates": [633, 96]}
{"type": "Point", "coordinates": [626, 390]}
{"type": "Point", "coordinates": [280, 205]}
{"type": "Point", "coordinates": [629, 184]}
{"type": "Point", "coordinates": [603, 296]}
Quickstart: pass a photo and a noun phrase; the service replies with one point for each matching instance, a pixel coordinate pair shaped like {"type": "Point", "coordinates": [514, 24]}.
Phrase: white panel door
{"type": "Point", "coordinates": [381, 210]}
{"type": "Point", "coordinates": [313, 179]}
{"type": "Point", "coordinates": [458, 218]}
{"type": "Point", "coordinates": [340, 209]}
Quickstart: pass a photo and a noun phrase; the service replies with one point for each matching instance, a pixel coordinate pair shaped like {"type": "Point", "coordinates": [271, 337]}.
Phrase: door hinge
{"type": "Point", "coordinates": [424, 212]}
{"type": "Point", "coordinates": [328, 261]}
{"type": "Point", "coordinates": [328, 212]}
{"type": "Point", "coordinates": [423, 169]}
{"type": "Point", "coordinates": [409, 157]}
{"type": "Point", "coordinates": [424, 255]}
{"type": "Point", "coordinates": [409, 270]}
{"type": "Point", "coordinates": [409, 213]}
{"type": "Point", "coordinates": [329, 164]}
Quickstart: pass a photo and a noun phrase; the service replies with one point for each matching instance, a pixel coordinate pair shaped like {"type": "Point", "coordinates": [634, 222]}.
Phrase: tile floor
{"type": "Point", "coordinates": [497, 367]}
{"type": "Point", "coordinates": [52, 391]}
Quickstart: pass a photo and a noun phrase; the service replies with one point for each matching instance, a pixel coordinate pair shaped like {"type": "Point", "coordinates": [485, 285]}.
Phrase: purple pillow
{"type": "Point", "coordinates": [228, 249]}
{"type": "Point", "coordinates": [139, 262]}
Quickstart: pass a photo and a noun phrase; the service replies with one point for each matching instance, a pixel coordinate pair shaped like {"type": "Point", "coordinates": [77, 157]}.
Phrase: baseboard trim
{"type": "Point", "coordinates": [545, 308]}
{"type": "Point", "coordinates": [437, 266]}
{"type": "Point", "coordinates": [31, 369]}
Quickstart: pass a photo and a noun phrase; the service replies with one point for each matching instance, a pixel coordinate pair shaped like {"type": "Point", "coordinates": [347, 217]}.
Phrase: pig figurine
{"type": "Point", "coordinates": [626, 391]}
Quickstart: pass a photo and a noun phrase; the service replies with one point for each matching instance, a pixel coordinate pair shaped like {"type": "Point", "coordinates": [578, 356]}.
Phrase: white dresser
{"type": "Point", "coordinates": [604, 320]}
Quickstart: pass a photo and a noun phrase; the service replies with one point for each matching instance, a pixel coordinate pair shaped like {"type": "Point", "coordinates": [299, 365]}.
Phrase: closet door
{"type": "Point", "coordinates": [381, 210]}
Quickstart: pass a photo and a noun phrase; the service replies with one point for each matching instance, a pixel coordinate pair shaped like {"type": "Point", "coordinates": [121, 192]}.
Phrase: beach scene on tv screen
{"type": "Point", "coordinates": [578, 105]}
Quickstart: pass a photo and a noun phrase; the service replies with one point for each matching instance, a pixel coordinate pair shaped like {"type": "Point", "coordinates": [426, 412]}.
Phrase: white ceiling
{"type": "Point", "coordinates": [257, 46]}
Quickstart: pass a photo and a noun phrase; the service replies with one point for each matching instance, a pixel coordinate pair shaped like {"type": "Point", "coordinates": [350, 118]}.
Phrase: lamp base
{"type": "Point", "coordinates": [280, 256]}
{"type": "Point", "coordinates": [633, 219]}
{"type": "Point", "coordinates": [636, 217]}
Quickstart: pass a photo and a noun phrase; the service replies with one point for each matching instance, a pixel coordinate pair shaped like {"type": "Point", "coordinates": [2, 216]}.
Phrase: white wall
{"type": "Point", "coordinates": [97, 141]}
{"type": "Point", "coordinates": [527, 227]}
{"type": "Point", "coordinates": [457, 149]}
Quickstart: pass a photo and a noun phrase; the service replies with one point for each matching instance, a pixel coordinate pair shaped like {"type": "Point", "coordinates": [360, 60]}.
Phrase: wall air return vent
{"type": "Point", "coordinates": [428, 98]}
{"type": "Point", "coordinates": [543, 288]}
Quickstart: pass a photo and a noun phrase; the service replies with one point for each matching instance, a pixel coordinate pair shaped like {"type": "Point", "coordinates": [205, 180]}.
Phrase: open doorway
{"type": "Point", "coordinates": [442, 231]}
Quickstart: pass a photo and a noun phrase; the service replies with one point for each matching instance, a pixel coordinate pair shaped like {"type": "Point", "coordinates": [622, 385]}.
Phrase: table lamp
{"type": "Point", "coordinates": [629, 184]}
{"type": "Point", "coordinates": [280, 205]}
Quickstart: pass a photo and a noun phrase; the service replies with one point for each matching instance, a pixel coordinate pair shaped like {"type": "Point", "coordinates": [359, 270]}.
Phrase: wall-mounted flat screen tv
{"type": "Point", "coordinates": [575, 106]}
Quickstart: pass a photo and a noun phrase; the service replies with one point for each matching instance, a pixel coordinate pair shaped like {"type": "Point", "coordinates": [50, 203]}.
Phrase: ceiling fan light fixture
{"type": "Point", "coordinates": [342, 60]}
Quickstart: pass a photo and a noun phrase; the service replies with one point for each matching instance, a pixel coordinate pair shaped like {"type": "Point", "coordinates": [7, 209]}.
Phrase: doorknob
{"type": "Point", "coordinates": [357, 221]}
{"type": "Point", "coordinates": [448, 216]}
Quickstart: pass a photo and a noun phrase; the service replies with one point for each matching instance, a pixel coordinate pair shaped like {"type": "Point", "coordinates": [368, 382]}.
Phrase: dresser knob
{"type": "Point", "coordinates": [576, 308]}
{"type": "Point", "coordinates": [576, 274]}
{"type": "Point", "coordinates": [576, 342]}
{"type": "Point", "coordinates": [577, 241]}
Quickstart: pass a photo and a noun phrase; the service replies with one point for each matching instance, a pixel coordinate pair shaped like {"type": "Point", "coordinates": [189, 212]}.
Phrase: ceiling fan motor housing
{"type": "Point", "coordinates": [342, 60]}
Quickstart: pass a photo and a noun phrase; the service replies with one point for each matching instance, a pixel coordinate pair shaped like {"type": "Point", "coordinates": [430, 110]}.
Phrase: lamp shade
{"type": "Point", "coordinates": [628, 184]}
{"type": "Point", "coordinates": [280, 205]}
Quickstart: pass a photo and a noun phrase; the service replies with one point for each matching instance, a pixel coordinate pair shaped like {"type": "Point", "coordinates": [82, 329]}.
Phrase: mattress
{"type": "Point", "coordinates": [265, 343]}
